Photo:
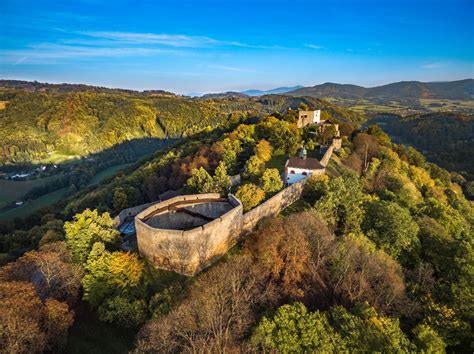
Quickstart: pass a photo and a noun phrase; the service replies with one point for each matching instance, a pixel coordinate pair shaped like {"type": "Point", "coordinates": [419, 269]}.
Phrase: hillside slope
{"type": "Point", "coordinates": [445, 138]}
{"type": "Point", "coordinates": [37, 125]}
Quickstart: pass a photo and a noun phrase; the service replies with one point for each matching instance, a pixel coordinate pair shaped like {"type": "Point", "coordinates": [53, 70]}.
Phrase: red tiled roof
{"type": "Point", "coordinates": [307, 163]}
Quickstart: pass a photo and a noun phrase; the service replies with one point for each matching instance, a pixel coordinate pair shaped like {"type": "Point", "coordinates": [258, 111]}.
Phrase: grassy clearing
{"type": "Point", "coordinates": [33, 205]}
{"type": "Point", "coordinates": [57, 158]}
{"type": "Point", "coordinates": [11, 191]}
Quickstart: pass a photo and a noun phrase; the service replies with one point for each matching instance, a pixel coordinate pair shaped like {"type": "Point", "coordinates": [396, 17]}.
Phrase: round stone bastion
{"type": "Point", "coordinates": [187, 233]}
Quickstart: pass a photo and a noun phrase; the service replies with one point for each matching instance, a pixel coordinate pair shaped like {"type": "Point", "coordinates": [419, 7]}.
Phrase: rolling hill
{"type": "Point", "coordinates": [36, 124]}
{"type": "Point", "coordinates": [446, 139]}
{"type": "Point", "coordinates": [399, 91]}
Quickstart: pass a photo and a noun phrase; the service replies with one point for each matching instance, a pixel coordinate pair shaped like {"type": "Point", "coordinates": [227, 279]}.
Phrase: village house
{"type": "Point", "coordinates": [300, 167]}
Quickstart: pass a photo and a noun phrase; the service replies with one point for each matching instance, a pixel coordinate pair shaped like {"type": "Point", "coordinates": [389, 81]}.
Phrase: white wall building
{"type": "Point", "coordinates": [300, 167]}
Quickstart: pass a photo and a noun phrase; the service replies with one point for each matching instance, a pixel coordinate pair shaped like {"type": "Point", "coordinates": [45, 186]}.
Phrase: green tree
{"type": "Point", "coordinates": [221, 180]}
{"type": "Point", "coordinates": [254, 168]}
{"type": "Point", "coordinates": [123, 311]}
{"type": "Point", "coordinates": [391, 227]}
{"type": "Point", "coordinates": [285, 137]}
{"type": "Point", "coordinates": [271, 181]}
{"type": "Point", "coordinates": [341, 201]}
{"type": "Point", "coordinates": [86, 229]}
{"type": "Point", "coordinates": [200, 181]}
{"type": "Point", "coordinates": [367, 332]}
{"type": "Point", "coordinates": [119, 200]}
{"type": "Point", "coordinates": [427, 340]}
{"type": "Point", "coordinates": [295, 330]}
{"type": "Point", "coordinates": [249, 195]}
{"type": "Point", "coordinates": [303, 106]}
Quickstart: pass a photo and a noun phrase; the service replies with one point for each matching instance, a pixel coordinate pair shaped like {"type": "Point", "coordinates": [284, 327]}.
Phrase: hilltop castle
{"type": "Point", "coordinates": [187, 233]}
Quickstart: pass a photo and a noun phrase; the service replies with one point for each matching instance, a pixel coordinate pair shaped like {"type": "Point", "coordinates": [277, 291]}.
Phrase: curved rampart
{"type": "Point", "coordinates": [188, 251]}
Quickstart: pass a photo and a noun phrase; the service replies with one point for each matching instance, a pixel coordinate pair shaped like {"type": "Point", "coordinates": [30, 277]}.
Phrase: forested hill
{"type": "Point", "coordinates": [35, 86]}
{"type": "Point", "coordinates": [376, 257]}
{"type": "Point", "coordinates": [445, 138]}
{"type": "Point", "coordinates": [398, 91]}
{"type": "Point", "coordinates": [35, 125]}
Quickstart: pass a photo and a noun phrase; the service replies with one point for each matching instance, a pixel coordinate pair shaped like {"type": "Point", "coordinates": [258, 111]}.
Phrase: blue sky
{"type": "Point", "coordinates": [212, 46]}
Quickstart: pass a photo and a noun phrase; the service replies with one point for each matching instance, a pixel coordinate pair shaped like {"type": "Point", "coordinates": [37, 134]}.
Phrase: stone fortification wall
{"type": "Point", "coordinates": [169, 242]}
{"type": "Point", "coordinates": [272, 206]}
{"type": "Point", "coordinates": [335, 145]}
{"type": "Point", "coordinates": [188, 252]}
{"type": "Point", "coordinates": [130, 212]}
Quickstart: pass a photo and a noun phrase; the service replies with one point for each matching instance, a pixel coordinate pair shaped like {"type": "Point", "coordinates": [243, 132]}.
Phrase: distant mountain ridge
{"type": "Point", "coordinates": [399, 91]}
{"type": "Point", "coordinates": [278, 90]}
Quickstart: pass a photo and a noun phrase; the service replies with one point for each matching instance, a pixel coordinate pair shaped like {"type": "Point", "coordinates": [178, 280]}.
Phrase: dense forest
{"type": "Point", "coordinates": [446, 139]}
{"type": "Point", "coordinates": [376, 257]}
{"type": "Point", "coordinates": [62, 122]}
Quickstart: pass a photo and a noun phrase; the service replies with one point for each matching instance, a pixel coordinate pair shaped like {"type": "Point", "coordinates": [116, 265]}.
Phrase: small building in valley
{"type": "Point", "coordinates": [300, 167]}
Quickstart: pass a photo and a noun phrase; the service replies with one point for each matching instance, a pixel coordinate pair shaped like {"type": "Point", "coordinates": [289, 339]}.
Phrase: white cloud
{"type": "Point", "coordinates": [51, 53]}
{"type": "Point", "coordinates": [232, 68]}
{"type": "Point", "coordinates": [152, 38]}
{"type": "Point", "coordinates": [314, 46]}
{"type": "Point", "coordinates": [434, 65]}
{"type": "Point", "coordinates": [171, 40]}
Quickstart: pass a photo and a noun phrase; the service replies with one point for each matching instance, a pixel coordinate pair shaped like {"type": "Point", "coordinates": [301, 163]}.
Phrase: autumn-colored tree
{"type": "Point", "coordinates": [108, 273]}
{"type": "Point", "coordinates": [86, 229]}
{"type": "Point", "coordinates": [216, 315]}
{"type": "Point", "coordinates": [367, 147]}
{"type": "Point", "coordinates": [283, 252]}
{"type": "Point", "coordinates": [271, 181]}
{"type": "Point", "coordinates": [20, 317]}
{"type": "Point", "coordinates": [27, 325]}
{"type": "Point", "coordinates": [249, 195]}
{"type": "Point", "coordinates": [263, 150]}
{"type": "Point", "coordinates": [51, 270]}
{"type": "Point", "coordinates": [359, 272]}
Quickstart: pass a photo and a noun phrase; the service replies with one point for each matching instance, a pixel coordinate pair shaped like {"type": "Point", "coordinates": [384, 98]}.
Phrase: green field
{"type": "Point", "coordinates": [57, 158]}
{"type": "Point", "coordinates": [11, 191]}
{"type": "Point", "coordinates": [33, 205]}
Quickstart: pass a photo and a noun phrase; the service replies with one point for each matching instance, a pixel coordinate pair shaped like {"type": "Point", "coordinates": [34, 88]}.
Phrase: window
{"type": "Point", "coordinates": [292, 172]}
{"type": "Point", "coordinates": [304, 174]}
